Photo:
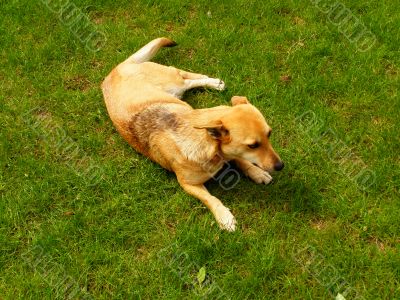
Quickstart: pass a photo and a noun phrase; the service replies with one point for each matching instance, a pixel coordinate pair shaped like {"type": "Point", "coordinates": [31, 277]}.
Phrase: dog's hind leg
{"type": "Point", "coordinates": [213, 83]}
{"type": "Point", "coordinates": [187, 84]}
{"type": "Point", "coordinates": [190, 75]}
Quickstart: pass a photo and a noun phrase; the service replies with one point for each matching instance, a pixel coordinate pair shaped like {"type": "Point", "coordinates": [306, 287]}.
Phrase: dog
{"type": "Point", "coordinates": [144, 102]}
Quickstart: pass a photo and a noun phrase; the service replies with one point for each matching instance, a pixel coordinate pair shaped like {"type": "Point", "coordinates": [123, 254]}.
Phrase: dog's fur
{"type": "Point", "coordinates": [143, 101]}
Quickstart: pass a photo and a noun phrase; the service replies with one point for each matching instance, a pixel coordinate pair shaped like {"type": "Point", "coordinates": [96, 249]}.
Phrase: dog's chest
{"type": "Point", "coordinates": [213, 165]}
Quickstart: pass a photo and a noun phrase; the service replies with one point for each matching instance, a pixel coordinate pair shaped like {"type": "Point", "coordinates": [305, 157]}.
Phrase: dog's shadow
{"type": "Point", "coordinates": [287, 193]}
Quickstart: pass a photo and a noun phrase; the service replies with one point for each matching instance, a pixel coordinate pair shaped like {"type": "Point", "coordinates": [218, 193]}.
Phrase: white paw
{"type": "Point", "coordinates": [225, 219]}
{"type": "Point", "coordinates": [221, 85]}
{"type": "Point", "coordinates": [216, 83]}
{"type": "Point", "coordinates": [259, 175]}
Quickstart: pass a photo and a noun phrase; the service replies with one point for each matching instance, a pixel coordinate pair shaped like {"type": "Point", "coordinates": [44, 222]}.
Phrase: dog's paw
{"type": "Point", "coordinates": [259, 175]}
{"type": "Point", "coordinates": [216, 83]}
{"type": "Point", "coordinates": [221, 85]}
{"type": "Point", "coordinates": [225, 219]}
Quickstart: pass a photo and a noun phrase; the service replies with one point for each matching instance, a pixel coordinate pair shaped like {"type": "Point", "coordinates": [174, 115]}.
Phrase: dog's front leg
{"type": "Point", "coordinates": [257, 174]}
{"type": "Point", "coordinates": [221, 213]}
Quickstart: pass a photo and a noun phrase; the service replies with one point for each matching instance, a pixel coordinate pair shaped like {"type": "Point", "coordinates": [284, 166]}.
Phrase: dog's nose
{"type": "Point", "coordinates": [279, 166]}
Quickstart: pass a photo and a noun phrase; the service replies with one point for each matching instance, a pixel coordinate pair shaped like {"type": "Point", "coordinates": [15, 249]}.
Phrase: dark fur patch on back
{"type": "Point", "coordinates": [148, 122]}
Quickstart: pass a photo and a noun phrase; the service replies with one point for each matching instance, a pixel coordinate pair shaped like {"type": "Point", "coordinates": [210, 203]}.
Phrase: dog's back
{"type": "Point", "coordinates": [138, 96]}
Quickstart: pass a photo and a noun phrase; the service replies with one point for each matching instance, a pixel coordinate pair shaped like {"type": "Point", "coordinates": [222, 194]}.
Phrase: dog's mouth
{"type": "Point", "coordinates": [265, 169]}
{"type": "Point", "coordinates": [269, 170]}
{"type": "Point", "coordinates": [277, 167]}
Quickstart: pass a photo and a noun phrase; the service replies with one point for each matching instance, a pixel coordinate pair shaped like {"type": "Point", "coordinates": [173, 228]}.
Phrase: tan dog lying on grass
{"type": "Point", "coordinates": [143, 101]}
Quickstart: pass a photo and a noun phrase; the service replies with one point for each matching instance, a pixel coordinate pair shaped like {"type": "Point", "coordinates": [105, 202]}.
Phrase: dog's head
{"type": "Point", "coordinates": [244, 134]}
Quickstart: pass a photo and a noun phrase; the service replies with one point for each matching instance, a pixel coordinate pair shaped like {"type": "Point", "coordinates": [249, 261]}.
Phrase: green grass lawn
{"type": "Point", "coordinates": [82, 215]}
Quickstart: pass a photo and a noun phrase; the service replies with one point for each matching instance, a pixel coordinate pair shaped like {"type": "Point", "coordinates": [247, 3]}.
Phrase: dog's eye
{"type": "Point", "coordinates": [269, 133]}
{"type": "Point", "coordinates": [254, 146]}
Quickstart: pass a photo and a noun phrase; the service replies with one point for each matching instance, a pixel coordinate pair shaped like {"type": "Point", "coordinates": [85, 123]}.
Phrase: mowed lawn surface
{"type": "Point", "coordinates": [82, 215]}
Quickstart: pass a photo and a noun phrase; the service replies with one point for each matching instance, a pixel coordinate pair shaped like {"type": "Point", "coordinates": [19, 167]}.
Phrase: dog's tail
{"type": "Point", "coordinates": [147, 52]}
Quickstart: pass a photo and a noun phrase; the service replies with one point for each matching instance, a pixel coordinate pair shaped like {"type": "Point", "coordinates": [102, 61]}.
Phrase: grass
{"type": "Point", "coordinates": [135, 234]}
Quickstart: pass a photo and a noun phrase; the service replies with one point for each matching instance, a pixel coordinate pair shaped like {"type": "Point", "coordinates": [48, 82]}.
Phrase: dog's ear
{"type": "Point", "coordinates": [236, 100]}
{"type": "Point", "coordinates": [216, 130]}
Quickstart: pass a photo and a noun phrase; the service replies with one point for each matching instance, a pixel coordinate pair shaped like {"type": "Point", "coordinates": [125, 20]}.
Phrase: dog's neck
{"type": "Point", "coordinates": [197, 144]}
{"type": "Point", "coordinates": [201, 117]}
